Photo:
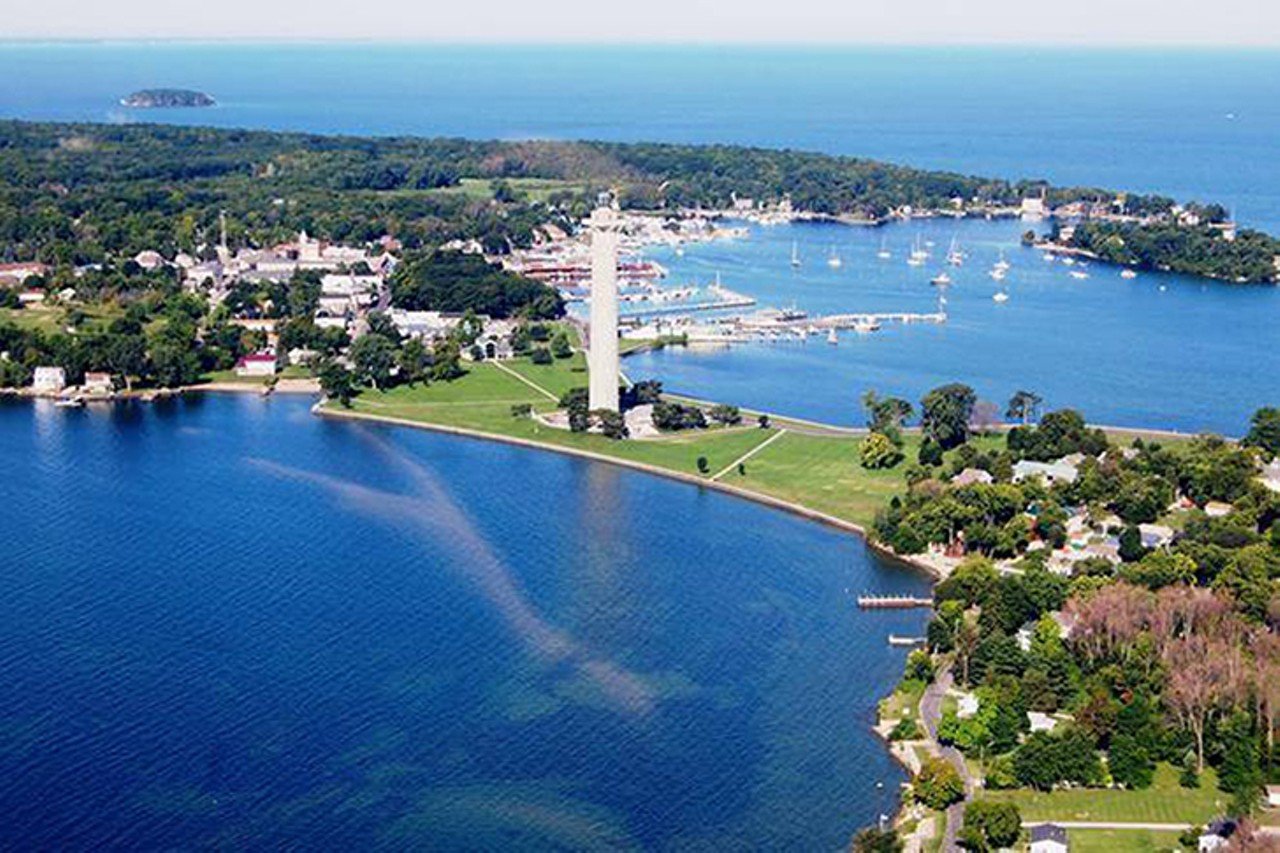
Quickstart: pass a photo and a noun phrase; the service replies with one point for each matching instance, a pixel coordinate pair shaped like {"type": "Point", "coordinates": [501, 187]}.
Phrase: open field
{"type": "Point", "coordinates": [1164, 802]}
{"type": "Point", "coordinates": [1122, 841]}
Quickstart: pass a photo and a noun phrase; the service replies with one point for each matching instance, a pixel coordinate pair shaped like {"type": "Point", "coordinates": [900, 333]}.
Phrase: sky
{"type": "Point", "coordinates": [1072, 22]}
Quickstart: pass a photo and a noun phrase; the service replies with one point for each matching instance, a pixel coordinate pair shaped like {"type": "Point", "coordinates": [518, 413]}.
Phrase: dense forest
{"type": "Point", "coordinates": [1198, 250]}
{"type": "Point", "coordinates": [77, 193]}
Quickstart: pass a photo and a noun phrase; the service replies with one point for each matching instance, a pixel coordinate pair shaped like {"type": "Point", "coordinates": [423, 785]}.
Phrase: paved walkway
{"type": "Point", "coordinates": [931, 714]}
{"type": "Point", "coordinates": [534, 385]}
{"type": "Point", "coordinates": [752, 452]}
{"type": "Point", "coordinates": [1108, 824]}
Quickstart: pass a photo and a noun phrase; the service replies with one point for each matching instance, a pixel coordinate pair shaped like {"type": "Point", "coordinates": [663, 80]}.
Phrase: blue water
{"type": "Point", "coordinates": [1153, 120]}
{"type": "Point", "coordinates": [1163, 350]}
{"type": "Point", "coordinates": [226, 623]}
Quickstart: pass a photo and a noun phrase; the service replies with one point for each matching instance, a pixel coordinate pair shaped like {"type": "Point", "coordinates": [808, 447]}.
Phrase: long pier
{"type": "Point", "coordinates": [892, 602]}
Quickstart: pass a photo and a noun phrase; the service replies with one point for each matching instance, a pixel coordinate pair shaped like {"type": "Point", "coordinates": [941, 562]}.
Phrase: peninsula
{"type": "Point", "coordinates": [151, 98]}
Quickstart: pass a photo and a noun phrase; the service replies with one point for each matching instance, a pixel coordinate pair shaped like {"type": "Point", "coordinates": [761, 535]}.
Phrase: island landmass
{"type": "Point", "coordinates": [156, 98]}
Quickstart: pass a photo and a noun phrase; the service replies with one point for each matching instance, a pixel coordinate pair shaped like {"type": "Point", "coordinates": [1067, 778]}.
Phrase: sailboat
{"type": "Point", "coordinates": [998, 273]}
{"type": "Point", "coordinates": [832, 338]}
{"type": "Point", "coordinates": [884, 254]}
{"type": "Point", "coordinates": [955, 257]}
{"type": "Point", "coordinates": [1001, 296]}
{"type": "Point", "coordinates": [1002, 264]}
{"type": "Point", "coordinates": [834, 260]}
{"type": "Point", "coordinates": [795, 255]}
{"type": "Point", "coordinates": [941, 279]}
{"type": "Point", "coordinates": [918, 254]}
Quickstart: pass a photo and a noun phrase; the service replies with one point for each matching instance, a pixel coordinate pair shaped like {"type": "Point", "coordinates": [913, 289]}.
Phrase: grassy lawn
{"type": "Point", "coordinates": [529, 189]}
{"type": "Point", "coordinates": [35, 318]}
{"type": "Point", "coordinates": [903, 701]}
{"type": "Point", "coordinates": [558, 377]}
{"type": "Point", "coordinates": [1121, 841]}
{"type": "Point", "coordinates": [1164, 802]}
{"type": "Point", "coordinates": [482, 400]}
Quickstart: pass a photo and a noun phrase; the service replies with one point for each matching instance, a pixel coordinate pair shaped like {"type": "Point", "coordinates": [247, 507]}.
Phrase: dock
{"type": "Point", "coordinates": [892, 602]}
{"type": "Point", "coordinates": [898, 640]}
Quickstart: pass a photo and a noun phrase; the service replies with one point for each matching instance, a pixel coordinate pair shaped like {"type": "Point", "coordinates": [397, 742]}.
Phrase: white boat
{"type": "Point", "coordinates": [1002, 264]}
{"type": "Point", "coordinates": [918, 254]}
{"type": "Point", "coordinates": [832, 337]}
{"type": "Point", "coordinates": [955, 257]}
{"type": "Point", "coordinates": [1001, 296]}
{"type": "Point", "coordinates": [1130, 274]}
{"type": "Point", "coordinates": [833, 260]}
{"type": "Point", "coordinates": [679, 251]}
{"type": "Point", "coordinates": [866, 327]}
{"type": "Point", "coordinates": [1048, 257]}
{"type": "Point", "coordinates": [1079, 274]}
{"type": "Point", "coordinates": [795, 255]}
{"type": "Point", "coordinates": [1069, 261]}
{"type": "Point", "coordinates": [69, 402]}
{"type": "Point", "coordinates": [884, 254]}
{"type": "Point", "coordinates": [940, 280]}
{"type": "Point", "coordinates": [998, 273]}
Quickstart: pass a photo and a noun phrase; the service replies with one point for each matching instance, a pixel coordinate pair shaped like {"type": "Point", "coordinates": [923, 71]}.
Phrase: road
{"type": "Point", "coordinates": [931, 713]}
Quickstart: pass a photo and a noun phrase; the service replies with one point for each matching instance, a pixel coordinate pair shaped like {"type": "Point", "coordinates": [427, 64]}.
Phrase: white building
{"type": "Point", "coordinates": [1061, 471]}
{"type": "Point", "coordinates": [49, 380]}
{"type": "Point", "coordinates": [98, 384]}
{"type": "Point", "coordinates": [602, 358]}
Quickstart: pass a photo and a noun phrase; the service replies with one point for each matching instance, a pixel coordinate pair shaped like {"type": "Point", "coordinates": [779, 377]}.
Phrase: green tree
{"type": "Point", "coordinates": [873, 839]}
{"type": "Point", "coordinates": [1023, 406]}
{"type": "Point", "coordinates": [373, 358]}
{"type": "Point", "coordinates": [336, 382]}
{"type": "Point", "coordinates": [1264, 430]}
{"type": "Point", "coordinates": [878, 451]}
{"type": "Point", "coordinates": [946, 412]}
{"type": "Point", "coordinates": [938, 784]}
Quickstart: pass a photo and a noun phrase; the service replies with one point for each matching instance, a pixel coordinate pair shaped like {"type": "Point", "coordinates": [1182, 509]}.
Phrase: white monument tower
{"type": "Point", "coordinates": [602, 359]}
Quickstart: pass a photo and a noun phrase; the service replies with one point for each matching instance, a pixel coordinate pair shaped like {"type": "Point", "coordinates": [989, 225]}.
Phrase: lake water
{"type": "Point", "coordinates": [1162, 350]}
{"type": "Point", "coordinates": [1198, 123]}
{"type": "Point", "coordinates": [225, 622]}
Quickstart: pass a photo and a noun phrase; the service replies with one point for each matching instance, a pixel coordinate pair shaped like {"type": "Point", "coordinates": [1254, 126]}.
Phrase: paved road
{"type": "Point", "coordinates": [931, 713]}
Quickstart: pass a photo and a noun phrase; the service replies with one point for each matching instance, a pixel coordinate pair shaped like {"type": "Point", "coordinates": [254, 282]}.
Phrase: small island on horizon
{"type": "Point", "coordinates": [149, 98]}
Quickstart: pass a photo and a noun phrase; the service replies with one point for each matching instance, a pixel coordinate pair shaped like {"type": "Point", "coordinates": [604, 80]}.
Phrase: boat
{"type": "Point", "coordinates": [918, 254]}
{"type": "Point", "coordinates": [679, 251]}
{"type": "Point", "coordinates": [1079, 274]}
{"type": "Point", "coordinates": [1048, 257]}
{"type": "Point", "coordinates": [865, 327]}
{"type": "Point", "coordinates": [884, 254]}
{"type": "Point", "coordinates": [1002, 264]}
{"type": "Point", "coordinates": [832, 337]}
{"type": "Point", "coordinates": [955, 257]}
{"type": "Point", "coordinates": [997, 273]}
{"type": "Point", "coordinates": [1130, 274]}
{"type": "Point", "coordinates": [940, 280]}
{"type": "Point", "coordinates": [795, 255]}
{"type": "Point", "coordinates": [834, 260]}
{"type": "Point", "coordinates": [897, 640]}
{"type": "Point", "coordinates": [1069, 261]}
{"type": "Point", "coordinates": [69, 402]}
{"type": "Point", "coordinates": [1000, 296]}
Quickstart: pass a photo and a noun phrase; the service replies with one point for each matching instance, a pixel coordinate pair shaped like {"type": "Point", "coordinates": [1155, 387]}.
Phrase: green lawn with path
{"type": "Point", "coordinates": [1122, 841]}
{"type": "Point", "coordinates": [1164, 802]}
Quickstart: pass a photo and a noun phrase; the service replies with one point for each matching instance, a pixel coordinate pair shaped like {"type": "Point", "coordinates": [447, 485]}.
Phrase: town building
{"type": "Point", "coordinates": [970, 476]}
{"type": "Point", "coordinates": [98, 384]}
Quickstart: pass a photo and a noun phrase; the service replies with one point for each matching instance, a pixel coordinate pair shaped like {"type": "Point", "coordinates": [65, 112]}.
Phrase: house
{"type": "Point", "coordinates": [12, 274]}
{"type": "Point", "coordinates": [49, 380]}
{"type": "Point", "coordinates": [1217, 509]}
{"type": "Point", "coordinates": [31, 297]}
{"type": "Point", "coordinates": [1048, 838]}
{"type": "Point", "coordinates": [99, 384]}
{"type": "Point", "coordinates": [966, 705]}
{"type": "Point", "coordinates": [149, 259]}
{"type": "Point", "coordinates": [970, 476]}
{"type": "Point", "coordinates": [1052, 473]}
{"type": "Point", "coordinates": [1041, 722]}
{"type": "Point", "coordinates": [256, 364]}
{"type": "Point", "coordinates": [1271, 475]}
{"type": "Point", "coordinates": [1155, 535]}
{"type": "Point", "coordinates": [1217, 834]}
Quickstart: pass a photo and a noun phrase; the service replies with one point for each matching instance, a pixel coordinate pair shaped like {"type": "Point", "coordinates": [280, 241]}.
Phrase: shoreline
{"type": "Point", "coordinates": [928, 568]}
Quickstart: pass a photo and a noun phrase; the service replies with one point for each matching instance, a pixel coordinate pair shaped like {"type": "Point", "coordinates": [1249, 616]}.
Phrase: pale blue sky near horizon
{"type": "Point", "coordinates": [926, 22]}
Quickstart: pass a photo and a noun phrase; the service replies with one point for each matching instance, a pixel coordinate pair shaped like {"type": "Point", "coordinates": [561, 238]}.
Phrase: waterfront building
{"type": "Point", "coordinates": [98, 384]}
{"type": "Point", "coordinates": [49, 380]}
{"type": "Point", "coordinates": [602, 357]}
{"type": "Point", "coordinates": [257, 364]}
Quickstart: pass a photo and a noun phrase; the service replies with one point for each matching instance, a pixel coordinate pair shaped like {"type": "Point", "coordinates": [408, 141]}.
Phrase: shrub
{"type": "Point", "coordinates": [938, 784]}
{"type": "Point", "coordinates": [540, 355]}
{"type": "Point", "coordinates": [879, 451]}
